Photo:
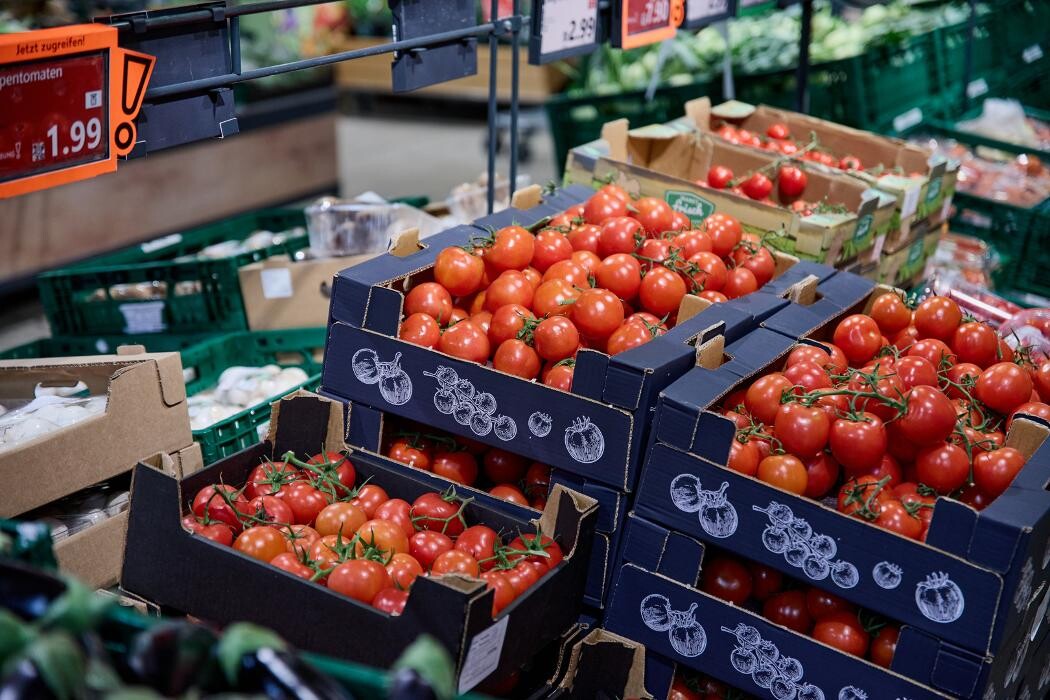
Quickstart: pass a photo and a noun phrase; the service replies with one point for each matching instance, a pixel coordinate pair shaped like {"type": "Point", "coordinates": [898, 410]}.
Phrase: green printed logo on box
{"type": "Point", "coordinates": [863, 227]}
{"type": "Point", "coordinates": [934, 189]}
{"type": "Point", "coordinates": [691, 204]}
{"type": "Point", "coordinates": [915, 253]}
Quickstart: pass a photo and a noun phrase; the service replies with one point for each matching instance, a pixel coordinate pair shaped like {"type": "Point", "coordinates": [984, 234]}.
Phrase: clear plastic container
{"type": "Point", "coordinates": [351, 227]}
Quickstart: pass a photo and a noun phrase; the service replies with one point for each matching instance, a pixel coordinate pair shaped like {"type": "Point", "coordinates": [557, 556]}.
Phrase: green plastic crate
{"type": "Point", "coordinates": [203, 360]}
{"type": "Point", "coordinates": [201, 295]}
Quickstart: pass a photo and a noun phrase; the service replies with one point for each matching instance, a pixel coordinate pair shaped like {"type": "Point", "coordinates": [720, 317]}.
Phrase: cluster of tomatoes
{"type": "Point", "coordinates": [312, 520]}
{"type": "Point", "coordinates": [778, 139]}
{"type": "Point", "coordinates": [904, 405]}
{"type": "Point", "coordinates": [464, 461]}
{"type": "Point", "coordinates": [801, 608]}
{"type": "Point", "coordinates": [687, 686]}
{"type": "Point", "coordinates": [608, 274]}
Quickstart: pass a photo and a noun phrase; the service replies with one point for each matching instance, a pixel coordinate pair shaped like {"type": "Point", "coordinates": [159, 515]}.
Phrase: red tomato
{"type": "Point", "coordinates": [539, 549]}
{"type": "Point", "coordinates": [420, 329]}
{"type": "Point", "coordinates": [929, 418]}
{"type": "Point", "coordinates": [786, 472]}
{"type": "Point", "coordinates": [300, 538]}
{"type": "Point", "coordinates": [654, 214]}
{"type": "Point", "coordinates": [603, 206]}
{"type": "Point", "coordinates": [458, 271]}
{"type": "Point", "coordinates": [934, 351]}
{"type": "Point", "coordinates": [891, 314]}
{"type": "Point", "coordinates": [569, 271]}
{"type": "Point", "coordinates": [427, 545]}
{"type": "Point", "coordinates": [791, 182]}
{"type": "Point", "coordinates": [964, 374]}
{"type": "Point", "coordinates": [765, 581]}
{"type": "Point", "coordinates": [719, 177]}
{"type": "Point", "coordinates": [403, 569]}
{"type": "Point", "coordinates": [268, 479]}
{"type": "Point", "coordinates": [916, 371]}
{"type": "Point", "coordinates": [360, 579]}
{"type": "Point", "coordinates": [558, 376]}
{"type": "Point", "coordinates": [976, 343]}
{"type": "Point", "coordinates": [465, 341]}
{"type": "Point", "coordinates": [267, 510]}
{"type": "Point", "coordinates": [708, 271]}
{"type": "Point", "coordinates": [507, 322]}
{"type": "Point", "coordinates": [788, 608]}
{"type": "Point", "coordinates": [432, 511]}
{"type": "Point", "coordinates": [726, 578]}
{"type": "Point", "coordinates": [620, 235]}
{"type": "Point", "coordinates": [761, 264]}
{"type": "Point", "coordinates": [743, 457]}
{"type": "Point", "coordinates": [888, 467]}
{"type": "Point", "coordinates": [509, 492]}
{"type": "Point", "coordinates": [763, 396]}
{"type": "Point", "coordinates": [382, 535]}
{"type": "Point", "coordinates": [512, 249]}
{"type": "Point", "coordinates": [896, 518]}
{"type": "Point", "coordinates": [937, 317]}
{"type": "Point", "coordinates": [216, 532]}
{"type": "Point", "coordinates": [261, 542]}
{"type": "Point", "coordinates": [331, 550]}
{"type": "Point", "coordinates": [517, 358]}
{"type": "Point", "coordinates": [1003, 387]}
{"type": "Point", "coordinates": [587, 260]}
{"type": "Point", "coordinates": [429, 298]}
{"type": "Point", "coordinates": [822, 473]}
{"type": "Point", "coordinates": [551, 246]}
{"type": "Point", "coordinates": [858, 445]}
{"type": "Point", "coordinates": [859, 338]}
{"type": "Point", "coordinates": [1041, 379]}
{"type": "Point", "coordinates": [503, 592]}
{"type": "Point", "coordinates": [556, 339]}
{"type": "Point", "coordinates": [679, 222]}
{"type": "Point", "coordinates": [369, 498]}
{"type": "Point", "coordinates": [803, 431]}
{"type": "Point", "coordinates": [884, 645]}
{"type": "Point", "coordinates": [391, 601]}
{"type": "Point", "coordinates": [621, 274]}
{"type": "Point", "coordinates": [739, 281]}
{"type": "Point", "coordinates": [692, 242]}
{"type": "Point", "coordinates": [597, 313]}
{"type": "Point", "coordinates": [864, 497]}
{"type": "Point", "coordinates": [778, 130]}
{"type": "Point", "coordinates": [288, 561]}
{"type": "Point", "coordinates": [456, 562]}
{"type": "Point", "coordinates": [843, 632]}
{"type": "Point", "coordinates": [305, 501]}
{"type": "Point", "coordinates": [758, 186]}
{"type": "Point", "coordinates": [480, 542]}
{"type": "Point", "coordinates": [661, 291]}
{"type": "Point", "coordinates": [943, 467]}
{"type": "Point", "coordinates": [521, 577]}
{"type": "Point", "coordinates": [725, 232]}
{"type": "Point", "coordinates": [806, 374]}
{"type": "Point", "coordinates": [399, 512]}
{"type": "Point", "coordinates": [994, 471]}
{"type": "Point", "coordinates": [820, 604]}
{"type": "Point", "coordinates": [340, 518]}
{"type": "Point", "coordinates": [511, 287]}
{"type": "Point", "coordinates": [458, 466]}
{"type": "Point", "coordinates": [220, 503]}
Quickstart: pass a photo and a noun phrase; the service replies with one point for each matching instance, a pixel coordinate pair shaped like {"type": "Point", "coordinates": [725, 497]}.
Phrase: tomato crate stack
{"type": "Point", "coordinates": [592, 437]}
{"type": "Point", "coordinates": [970, 594]}
{"type": "Point", "coordinates": [201, 574]}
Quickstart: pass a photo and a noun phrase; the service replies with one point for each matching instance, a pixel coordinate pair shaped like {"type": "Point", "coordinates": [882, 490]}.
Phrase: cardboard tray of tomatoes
{"type": "Point", "coordinates": [167, 565]}
{"type": "Point", "coordinates": [975, 579]}
{"type": "Point", "coordinates": [657, 601]}
{"type": "Point", "coordinates": [596, 431]}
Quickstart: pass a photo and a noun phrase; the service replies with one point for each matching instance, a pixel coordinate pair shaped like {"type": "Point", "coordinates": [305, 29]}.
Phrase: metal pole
{"type": "Point", "coordinates": [971, 31]}
{"type": "Point", "coordinates": [493, 55]}
{"type": "Point", "coordinates": [728, 87]}
{"type": "Point", "coordinates": [802, 80]}
{"type": "Point", "coordinates": [515, 69]}
{"type": "Point", "coordinates": [235, 44]}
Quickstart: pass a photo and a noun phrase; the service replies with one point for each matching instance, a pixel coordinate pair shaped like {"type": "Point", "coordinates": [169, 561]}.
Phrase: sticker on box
{"type": "Point", "coordinates": [483, 655]}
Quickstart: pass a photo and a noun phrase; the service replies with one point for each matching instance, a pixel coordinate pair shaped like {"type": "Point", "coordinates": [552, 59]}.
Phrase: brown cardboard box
{"type": "Point", "coordinates": [95, 555]}
{"type": "Point", "coordinates": [667, 161]}
{"type": "Point", "coordinates": [145, 414]}
{"type": "Point", "coordinates": [887, 161]}
{"type": "Point", "coordinates": [281, 293]}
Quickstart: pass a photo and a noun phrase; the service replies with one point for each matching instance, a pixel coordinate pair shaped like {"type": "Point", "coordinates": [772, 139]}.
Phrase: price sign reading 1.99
{"type": "Point", "coordinates": [68, 100]}
{"type": "Point", "coordinates": [642, 22]}
{"type": "Point", "coordinates": [563, 28]}
{"type": "Point", "coordinates": [56, 114]}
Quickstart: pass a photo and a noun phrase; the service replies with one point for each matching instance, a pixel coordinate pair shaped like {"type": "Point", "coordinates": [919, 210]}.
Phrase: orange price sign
{"type": "Point", "coordinates": [642, 22]}
{"type": "Point", "coordinates": [68, 101]}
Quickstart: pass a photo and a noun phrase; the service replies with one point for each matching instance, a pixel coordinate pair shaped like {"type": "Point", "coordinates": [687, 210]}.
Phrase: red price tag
{"type": "Point", "coordinates": [56, 115]}
{"type": "Point", "coordinates": [68, 100]}
{"type": "Point", "coordinates": [642, 22]}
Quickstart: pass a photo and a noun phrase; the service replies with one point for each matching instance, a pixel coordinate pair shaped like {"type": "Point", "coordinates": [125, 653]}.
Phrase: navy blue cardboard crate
{"type": "Point", "coordinates": [220, 584]}
{"type": "Point", "coordinates": [656, 601]}
{"type": "Point", "coordinates": [597, 431]}
{"type": "Point", "coordinates": [988, 563]}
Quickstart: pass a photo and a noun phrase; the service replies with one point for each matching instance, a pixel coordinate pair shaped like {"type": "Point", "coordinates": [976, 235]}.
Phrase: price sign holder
{"type": "Point", "coordinates": [701, 13]}
{"type": "Point", "coordinates": [564, 28]}
{"type": "Point", "coordinates": [440, 62]}
{"type": "Point", "coordinates": [69, 97]}
{"type": "Point", "coordinates": [643, 22]}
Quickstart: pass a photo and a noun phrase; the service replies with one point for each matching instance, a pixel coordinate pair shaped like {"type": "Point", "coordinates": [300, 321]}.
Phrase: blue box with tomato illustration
{"type": "Point", "coordinates": [169, 566]}
{"type": "Point", "coordinates": [971, 584]}
{"type": "Point", "coordinates": [663, 608]}
{"type": "Point", "coordinates": [597, 431]}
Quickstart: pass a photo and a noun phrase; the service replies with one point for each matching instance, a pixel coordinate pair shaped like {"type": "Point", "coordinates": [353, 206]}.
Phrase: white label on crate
{"type": "Point", "coordinates": [976, 88]}
{"type": "Point", "coordinates": [567, 24]}
{"type": "Point", "coordinates": [1032, 54]}
{"type": "Point", "coordinates": [908, 119]}
{"type": "Point", "coordinates": [911, 201]}
{"type": "Point", "coordinates": [276, 283]}
{"type": "Point", "coordinates": [143, 317]}
{"type": "Point", "coordinates": [483, 655]}
{"type": "Point", "coordinates": [698, 10]}
{"type": "Point", "coordinates": [162, 242]}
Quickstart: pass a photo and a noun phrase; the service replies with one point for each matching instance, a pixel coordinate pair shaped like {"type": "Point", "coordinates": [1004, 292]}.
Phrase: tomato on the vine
{"type": "Point", "coordinates": [726, 578]}
{"type": "Point", "coordinates": [458, 271]}
{"type": "Point", "coordinates": [457, 465]}
{"type": "Point", "coordinates": [937, 317]}
{"type": "Point", "coordinates": [654, 214]}
{"type": "Point", "coordinates": [360, 579]}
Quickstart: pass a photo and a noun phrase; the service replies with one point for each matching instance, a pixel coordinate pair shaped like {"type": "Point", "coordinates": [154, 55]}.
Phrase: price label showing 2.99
{"type": "Point", "coordinates": [563, 28]}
